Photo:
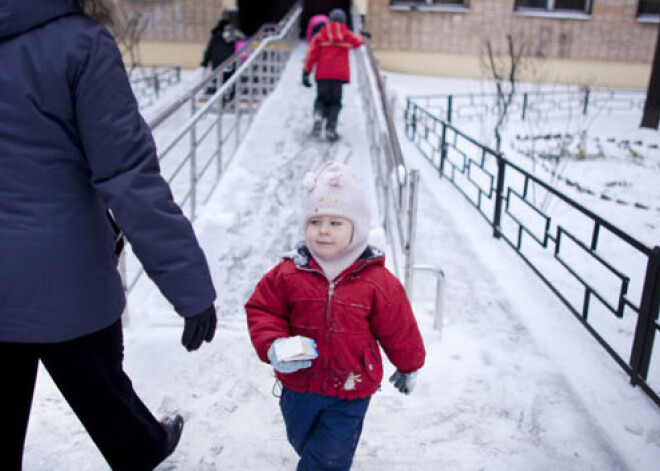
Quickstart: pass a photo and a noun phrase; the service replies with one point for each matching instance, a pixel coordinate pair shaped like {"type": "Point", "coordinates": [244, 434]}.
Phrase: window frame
{"type": "Point", "coordinates": [428, 5]}
{"type": "Point", "coordinates": [643, 17]}
{"type": "Point", "coordinates": [551, 12]}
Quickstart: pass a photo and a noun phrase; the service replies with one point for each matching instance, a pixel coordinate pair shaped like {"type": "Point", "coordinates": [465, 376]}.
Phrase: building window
{"type": "Point", "coordinates": [649, 7]}
{"type": "Point", "coordinates": [578, 6]}
{"type": "Point", "coordinates": [430, 4]}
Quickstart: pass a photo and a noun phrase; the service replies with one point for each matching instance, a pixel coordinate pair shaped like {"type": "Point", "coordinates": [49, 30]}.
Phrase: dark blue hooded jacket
{"type": "Point", "coordinates": [72, 143]}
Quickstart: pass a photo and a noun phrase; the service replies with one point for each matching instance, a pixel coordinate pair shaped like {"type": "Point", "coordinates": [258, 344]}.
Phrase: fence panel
{"type": "Point", "coordinates": [609, 280]}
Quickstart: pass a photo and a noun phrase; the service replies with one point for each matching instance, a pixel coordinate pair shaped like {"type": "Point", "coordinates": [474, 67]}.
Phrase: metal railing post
{"type": "Point", "coordinates": [218, 128]}
{"type": "Point", "coordinates": [640, 358]}
{"type": "Point", "coordinates": [450, 101]}
{"type": "Point", "coordinates": [406, 117]}
{"type": "Point", "coordinates": [237, 110]}
{"type": "Point", "coordinates": [499, 188]}
{"type": "Point", "coordinates": [250, 88]}
{"type": "Point", "coordinates": [438, 315]}
{"type": "Point", "coordinates": [193, 166]}
{"type": "Point", "coordinates": [443, 150]}
{"type": "Point", "coordinates": [585, 105]}
{"type": "Point", "coordinates": [413, 188]}
{"type": "Point", "coordinates": [524, 107]}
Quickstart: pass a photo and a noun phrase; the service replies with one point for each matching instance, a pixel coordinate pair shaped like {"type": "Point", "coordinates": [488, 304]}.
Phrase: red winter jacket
{"type": "Point", "coordinates": [364, 306]}
{"type": "Point", "coordinates": [329, 51]}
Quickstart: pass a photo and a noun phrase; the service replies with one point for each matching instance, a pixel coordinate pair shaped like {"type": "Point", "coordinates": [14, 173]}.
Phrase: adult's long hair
{"type": "Point", "coordinates": [103, 11]}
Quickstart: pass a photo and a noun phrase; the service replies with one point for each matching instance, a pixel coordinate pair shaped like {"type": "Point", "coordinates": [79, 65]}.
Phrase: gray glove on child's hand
{"type": "Point", "coordinates": [287, 366]}
{"type": "Point", "coordinates": [404, 382]}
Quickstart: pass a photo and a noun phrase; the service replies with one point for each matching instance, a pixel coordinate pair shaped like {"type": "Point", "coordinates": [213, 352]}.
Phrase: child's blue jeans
{"type": "Point", "coordinates": [323, 430]}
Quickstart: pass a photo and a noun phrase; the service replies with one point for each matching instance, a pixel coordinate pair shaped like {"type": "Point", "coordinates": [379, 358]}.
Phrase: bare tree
{"type": "Point", "coordinates": [504, 68]}
{"type": "Point", "coordinates": [128, 30]}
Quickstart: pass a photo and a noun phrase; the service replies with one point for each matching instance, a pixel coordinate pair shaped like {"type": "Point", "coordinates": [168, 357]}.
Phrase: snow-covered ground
{"type": "Point", "coordinates": [513, 382]}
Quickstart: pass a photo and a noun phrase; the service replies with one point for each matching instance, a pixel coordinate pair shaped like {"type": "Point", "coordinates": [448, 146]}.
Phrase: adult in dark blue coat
{"type": "Point", "coordinates": [72, 143]}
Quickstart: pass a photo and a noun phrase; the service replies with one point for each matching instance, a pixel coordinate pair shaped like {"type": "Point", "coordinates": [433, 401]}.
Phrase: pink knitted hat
{"type": "Point", "coordinates": [334, 191]}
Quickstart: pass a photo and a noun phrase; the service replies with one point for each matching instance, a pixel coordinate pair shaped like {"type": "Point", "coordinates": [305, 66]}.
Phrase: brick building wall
{"type": "Point", "coordinates": [610, 33]}
{"type": "Point", "coordinates": [176, 20]}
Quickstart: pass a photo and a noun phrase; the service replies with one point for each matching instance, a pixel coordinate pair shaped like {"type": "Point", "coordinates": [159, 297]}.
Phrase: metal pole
{"type": "Point", "coordinates": [450, 101]}
{"type": "Point", "coordinates": [586, 101]}
{"type": "Point", "coordinates": [250, 89]}
{"type": "Point", "coordinates": [443, 150]}
{"type": "Point", "coordinates": [218, 128]}
{"type": "Point", "coordinates": [193, 167]}
{"type": "Point", "coordinates": [498, 196]}
{"type": "Point", "coordinates": [438, 315]}
{"type": "Point", "coordinates": [640, 358]}
{"type": "Point", "coordinates": [409, 251]}
{"type": "Point", "coordinates": [406, 117]}
{"type": "Point", "coordinates": [237, 108]}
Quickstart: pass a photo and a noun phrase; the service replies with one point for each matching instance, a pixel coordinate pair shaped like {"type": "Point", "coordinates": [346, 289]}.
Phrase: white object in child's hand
{"type": "Point", "coordinates": [296, 348]}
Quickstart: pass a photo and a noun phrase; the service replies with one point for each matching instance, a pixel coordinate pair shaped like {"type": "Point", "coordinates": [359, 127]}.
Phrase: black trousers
{"type": "Point", "coordinates": [328, 101]}
{"type": "Point", "coordinates": [213, 86]}
{"type": "Point", "coordinates": [88, 372]}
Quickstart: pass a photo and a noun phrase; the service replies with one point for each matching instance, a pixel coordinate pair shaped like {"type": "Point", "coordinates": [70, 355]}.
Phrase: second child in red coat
{"type": "Point", "coordinates": [333, 293]}
{"type": "Point", "coordinates": [328, 51]}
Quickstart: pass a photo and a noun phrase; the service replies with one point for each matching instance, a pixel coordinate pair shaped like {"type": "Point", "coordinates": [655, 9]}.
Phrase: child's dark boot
{"type": "Point", "coordinates": [318, 122]}
{"type": "Point", "coordinates": [331, 134]}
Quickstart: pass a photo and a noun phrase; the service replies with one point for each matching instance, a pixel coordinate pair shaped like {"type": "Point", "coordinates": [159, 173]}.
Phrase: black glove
{"type": "Point", "coordinates": [198, 328]}
{"type": "Point", "coordinates": [305, 79]}
{"type": "Point", "coordinates": [366, 34]}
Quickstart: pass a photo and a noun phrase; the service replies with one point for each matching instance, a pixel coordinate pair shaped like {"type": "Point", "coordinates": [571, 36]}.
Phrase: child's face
{"type": "Point", "coordinates": [328, 236]}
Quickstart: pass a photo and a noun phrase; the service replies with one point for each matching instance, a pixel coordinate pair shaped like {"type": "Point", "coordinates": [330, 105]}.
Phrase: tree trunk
{"type": "Point", "coordinates": [651, 117]}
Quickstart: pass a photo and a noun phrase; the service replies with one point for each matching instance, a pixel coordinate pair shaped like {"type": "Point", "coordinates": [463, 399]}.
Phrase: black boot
{"type": "Point", "coordinates": [331, 129]}
{"type": "Point", "coordinates": [318, 122]}
{"type": "Point", "coordinates": [331, 135]}
{"type": "Point", "coordinates": [173, 426]}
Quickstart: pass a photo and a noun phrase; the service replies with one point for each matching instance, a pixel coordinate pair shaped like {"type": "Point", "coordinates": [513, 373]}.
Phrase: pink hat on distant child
{"type": "Point", "coordinates": [334, 191]}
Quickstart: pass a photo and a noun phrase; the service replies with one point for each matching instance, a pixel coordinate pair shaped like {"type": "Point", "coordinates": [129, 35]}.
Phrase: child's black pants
{"type": "Point", "coordinates": [328, 101]}
{"type": "Point", "coordinates": [88, 372]}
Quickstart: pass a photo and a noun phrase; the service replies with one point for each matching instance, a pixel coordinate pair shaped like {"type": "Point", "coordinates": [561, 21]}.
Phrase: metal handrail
{"type": "Point", "coordinates": [214, 131]}
{"type": "Point", "coordinates": [212, 101]}
{"type": "Point", "coordinates": [231, 61]}
{"type": "Point", "coordinates": [392, 174]}
{"type": "Point", "coordinates": [398, 186]}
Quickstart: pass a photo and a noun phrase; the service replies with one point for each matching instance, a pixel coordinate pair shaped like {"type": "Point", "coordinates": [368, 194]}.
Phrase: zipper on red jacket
{"type": "Point", "coordinates": [331, 293]}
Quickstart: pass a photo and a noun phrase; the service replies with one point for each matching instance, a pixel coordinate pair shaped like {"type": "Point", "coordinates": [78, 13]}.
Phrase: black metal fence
{"type": "Point", "coordinates": [533, 104]}
{"type": "Point", "coordinates": [608, 279]}
{"type": "Point", "coordinates": [149, 80]}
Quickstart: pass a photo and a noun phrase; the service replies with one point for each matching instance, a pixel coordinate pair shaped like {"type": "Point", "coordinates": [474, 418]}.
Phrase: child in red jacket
{"type": "Point", "coordinates": [334, 293]}
{"type": "Point", "coordinates": [328, 50]}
